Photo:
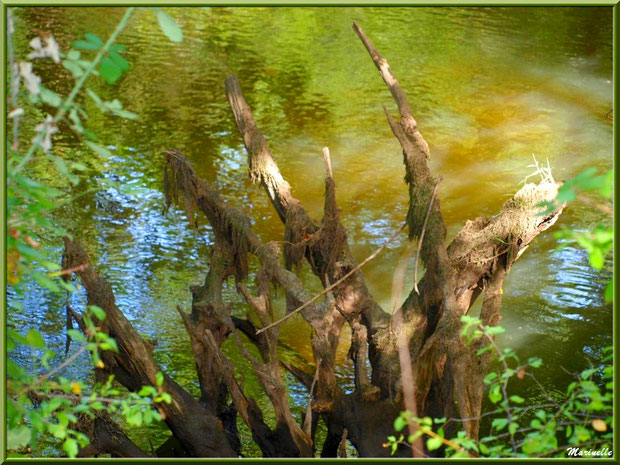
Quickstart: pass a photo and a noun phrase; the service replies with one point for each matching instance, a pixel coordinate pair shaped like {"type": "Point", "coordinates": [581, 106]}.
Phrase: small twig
{"type": "Point", "coordinates": [68, 102]}
{"type": "Point", "coordinates": [404, 358]}
{"type": "Point", "coordinates": [52, 372]}
{"type": "Point", "coordinates": [417, 256]}
{"type": "Point", "coordinates": [71, 270]}
{"type": "Point", "coordinates": [107, 400]}
{"type": "Point", "coordinates": [495, 256]}
{"type": "Point", "coordinates": [504, 388]}
{"type": "Point", "coordinates": [337, 283]}
{"type": "Point", "coordinates": [398, 283]}
{"type": "Point", "coordinates": [308, 419]}
{"type": "Point", "coordinates": [408, 384]}
{"type": "Point", "coordinates": [447, 442]}
{"type": "Point", "coordinates": [493, 412]}
{"type": "Point", "coordinates": [604, 208]}
{"type": "Point", "coordinates": [542, 388]}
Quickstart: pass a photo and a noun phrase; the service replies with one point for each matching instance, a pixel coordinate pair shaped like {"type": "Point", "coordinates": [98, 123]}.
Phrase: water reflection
{"type": "Point", "coordinates": [489, 87]}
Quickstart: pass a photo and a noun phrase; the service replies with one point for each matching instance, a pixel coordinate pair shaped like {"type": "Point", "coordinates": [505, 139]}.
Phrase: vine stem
{"type": "Point", "coordinates": [55, 370]}
{"type": "Point", "coordinates": [62, 110]}
{"type": "Point", "coordinates": [14, 74]}
{"type": "Point", "coordinates": [504, 387]}
{"type": "Point", "coordinates": [417, 256]}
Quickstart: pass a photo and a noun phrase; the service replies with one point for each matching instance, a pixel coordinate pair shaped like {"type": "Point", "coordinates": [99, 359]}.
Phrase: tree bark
{"type": "Point", "coordinates": [443, 375]}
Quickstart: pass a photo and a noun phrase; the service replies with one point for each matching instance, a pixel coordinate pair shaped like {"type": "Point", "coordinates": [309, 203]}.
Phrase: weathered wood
{"type": "Point", "coordinates": [455, 275]}
{"type": "Point", "coordinates": [420, 359]}
{"type": "Point", "coordinates": [133, 366]}
{"type": "Point", "coordinates": [234, 231]}
{"type": "Point", "coordinates": [325, 247]}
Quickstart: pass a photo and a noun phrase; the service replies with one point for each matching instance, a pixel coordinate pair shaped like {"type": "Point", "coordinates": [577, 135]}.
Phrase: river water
{"type": "Point", "coordinates": [491, 88]}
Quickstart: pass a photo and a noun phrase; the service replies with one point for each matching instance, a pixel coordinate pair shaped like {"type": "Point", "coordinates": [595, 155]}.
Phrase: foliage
{"type": "Point", "coordinates": [48, 406]}
{"type": "Point", "coordinates": [598, 242]}
{"type": "Point", "coordinates": [581, 420]}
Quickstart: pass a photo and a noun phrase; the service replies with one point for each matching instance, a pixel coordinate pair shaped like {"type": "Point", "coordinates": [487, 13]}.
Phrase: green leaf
{"type": "Point", "coordinates": [517, 399]}
{"type": "Point", "coordinates": [596, 258]}
{"type": "Point", "coordinates": [71, 447]}
{"type": "Point", "coordinates": [135, 418]}
{"type": "Point", "coordinates": [111, 343]}
{"type": "Point", "coordinates": [148, 391]}
{"type": "Point", "coordinates": [35, 339]}
{"type": "Point", "coordinates": [399, 423]}
{"type": "Point", "coordinates": [46, 356]}
{"type": "Point", "coordinates": [43, 280]}
{"type": "Point", "coordinates": [490, 377]}
{"type": "Point", "coordinates": [541, 414]}
{"type": "Point", "coordinates": [76, 335]}
{"type": "Point", "coordinates": [126, 114]}
{"type": "Point", "coordinates": [493, 330]}
{"type": "Point", "coordinates": [93, 39]}
{"type": "Point", "coordinates": [96, 405]}
{"type": "Point", "coordinates": [484, 349]}
{"type": "Point", "coordinates": [534, 362]}
{"type": "Point", "coordinates": [433, 443]}
{"type": "Point", "coordinates": [164, 397]}
{"type": "Point", "coordinates": [512, 428]}
{"type": "Point", "coordinates": [159, 378]}
{"type": "Point", "coordinates": [109, 70]}
{"type": "Point", "coordinates": [565, 194]}
{"type": "Point", "coordinates": [16, 438]}
{"type": "Point", "coordinates": [77, 166]}
{"type": "Point", "coordinates": [97, 311]}
{"type": "Point", "coordinates": [119, 61]}
{"type": "Point", "coordinates": [98, 149]}
{"type": "Point", "coordinates": [85, 45]}
{"type": "Point", "coordinates": [169, 26]}
{"type": "Point", "coordinates": [14, 335]}
{"type": "Point", "coordinates": [494, 395]}
{"type": "Point", "coordinates": [73, 68]}
{"type": "Point", "coordinates": [607, 187]}
{"type": "Point", "coordinates": [499, 423]}
{"type": "Point", "coordinates": [50, 97]}
{"type": "Point", "coordinates": [73, 55]}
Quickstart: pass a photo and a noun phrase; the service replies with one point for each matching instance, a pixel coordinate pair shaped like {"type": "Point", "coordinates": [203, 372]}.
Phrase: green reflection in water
{"type": "Point", "coordinates": [489, 88]}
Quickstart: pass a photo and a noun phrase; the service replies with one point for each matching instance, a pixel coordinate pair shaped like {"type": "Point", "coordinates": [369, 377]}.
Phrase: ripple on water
{"type": "Point", "coordinates": [497, 85]}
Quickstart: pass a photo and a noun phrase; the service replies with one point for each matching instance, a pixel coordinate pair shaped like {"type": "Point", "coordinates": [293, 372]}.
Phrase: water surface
{"type": "Point", "coordinates": [490, 88]}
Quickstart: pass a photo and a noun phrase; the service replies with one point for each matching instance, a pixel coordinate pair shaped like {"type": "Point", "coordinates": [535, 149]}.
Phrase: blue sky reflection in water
{"type": "Point", "coordinates": [490, 87]}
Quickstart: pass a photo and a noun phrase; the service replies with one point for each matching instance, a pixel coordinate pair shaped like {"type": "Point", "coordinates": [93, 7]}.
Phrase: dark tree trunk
{"type": "Point", "coordinates": [417, 358]}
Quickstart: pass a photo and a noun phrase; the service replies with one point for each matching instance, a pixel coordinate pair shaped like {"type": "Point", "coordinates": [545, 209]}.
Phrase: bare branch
{"type": "Point", "coordinates": [336, 284]}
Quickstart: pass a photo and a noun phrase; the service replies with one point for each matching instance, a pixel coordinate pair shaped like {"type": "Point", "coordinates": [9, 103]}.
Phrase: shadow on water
{"type": "Point", "coordinates": [489, 87]}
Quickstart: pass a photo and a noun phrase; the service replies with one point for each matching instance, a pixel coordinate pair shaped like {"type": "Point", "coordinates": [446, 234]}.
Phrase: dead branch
{"type": "Point", "coordinates": [134, 366]}
{"type": "Point", "coordinates": [325, 247]}
{"type": "Point", "coordinates": [337, 283]}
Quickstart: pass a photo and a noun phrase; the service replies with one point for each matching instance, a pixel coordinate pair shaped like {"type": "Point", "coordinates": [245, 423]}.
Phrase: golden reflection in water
{"type": "Point", "coordinates": [490, 87]}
